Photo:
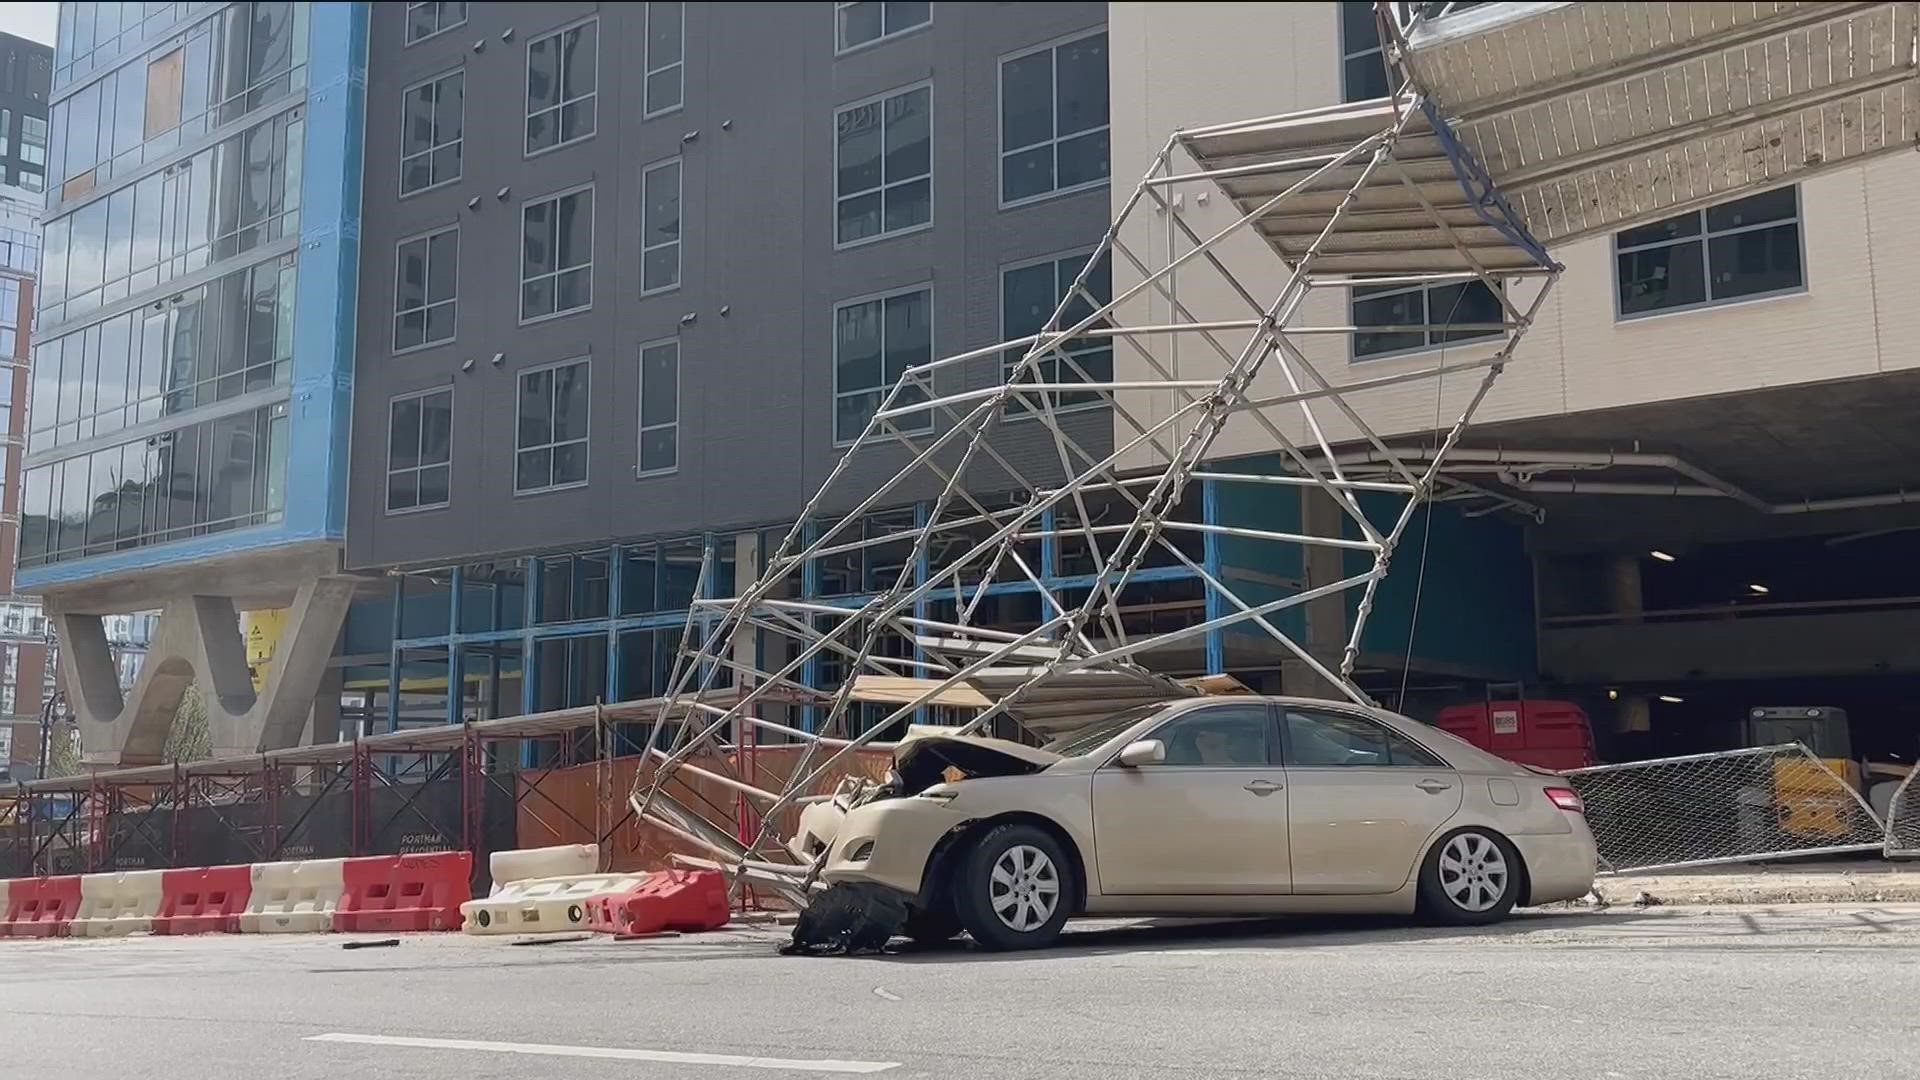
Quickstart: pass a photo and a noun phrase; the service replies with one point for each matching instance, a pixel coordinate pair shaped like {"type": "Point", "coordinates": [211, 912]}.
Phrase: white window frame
{"type": "Point", "coordinates": [386, 492]}
{"type": "Point", "coordinates": [433, 80]}
{"type": "Point", "coordinates": [678, 243]}
{"type": "Point", "coordinates": [1434, 325]}
{"type": "Point", "coordinates": [840, 46]}
{"type": "Point", "coordinates": [1027, 411]}
{"type": "Point", "coordinates": [406, 23]}
{"type": "Point", "coordinates": [640, 471]}
{"type": "Point", "coordinates": [1704, 239]}
{"type": "Point", "coordinates": [426, 290]}
{"type": "Point", "coordinates": [520, 239]}
{"type": "Point", "coordinates": [833, 328]}
{"type": "Point", "coordinates": [560, 86]}
{"type": "Point", "coordinates": [519, 387]}
{"type": "Point", "coordinates": [885, 184]}
{"type": "Point", "coordinates": [999, 121]}
{"type": "Point", "coordinates": [648, 71]}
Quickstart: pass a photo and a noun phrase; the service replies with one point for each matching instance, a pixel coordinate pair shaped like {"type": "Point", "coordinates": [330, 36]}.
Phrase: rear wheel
{"type": "Point", "coordinates": [1470, 878]}
{"type": "Point", "coordinates": [1016, 888]}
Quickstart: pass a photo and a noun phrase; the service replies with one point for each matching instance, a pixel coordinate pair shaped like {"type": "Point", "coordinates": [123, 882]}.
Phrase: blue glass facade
{"type": "Point", "coordinates": [193, 368]}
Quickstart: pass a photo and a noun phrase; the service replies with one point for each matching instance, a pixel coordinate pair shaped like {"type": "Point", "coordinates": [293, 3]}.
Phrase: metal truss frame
{"type": "Point", "coordinates": [1338, 192]}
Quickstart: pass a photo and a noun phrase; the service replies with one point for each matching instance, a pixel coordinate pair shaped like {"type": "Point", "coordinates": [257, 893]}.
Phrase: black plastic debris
{"type": "Point", "coordinates": [850, 918]}
{"type": "Point", "coordinates": [383, 943]}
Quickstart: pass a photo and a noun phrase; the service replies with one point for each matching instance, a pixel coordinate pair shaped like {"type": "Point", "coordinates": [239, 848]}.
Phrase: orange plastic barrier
{"type": "Point", "coordinates": [208, 900]}
{"type": "Point", "coordinates": [689, 901]}
{"type": "Point", "coordinates": [40, 907]}
{"type": "Point", "coordinates": [405, 892]}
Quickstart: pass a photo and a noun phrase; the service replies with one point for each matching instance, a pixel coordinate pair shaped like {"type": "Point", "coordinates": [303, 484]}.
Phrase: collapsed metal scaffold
{"type": "Point", "coordinates": [1594, 116]}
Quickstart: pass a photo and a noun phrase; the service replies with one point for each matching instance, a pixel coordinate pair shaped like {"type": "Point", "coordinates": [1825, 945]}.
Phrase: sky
{"type": "Point", "coordinates": [37, 21]}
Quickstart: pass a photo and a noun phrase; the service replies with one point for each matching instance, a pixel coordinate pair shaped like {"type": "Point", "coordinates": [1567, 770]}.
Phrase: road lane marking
{"type": "Point", "coordinates": [611, 1053]}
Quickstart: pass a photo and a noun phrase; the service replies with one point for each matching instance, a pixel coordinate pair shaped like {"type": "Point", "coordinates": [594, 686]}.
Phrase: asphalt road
{"type": "Point", "coordinates": [1747, 993]}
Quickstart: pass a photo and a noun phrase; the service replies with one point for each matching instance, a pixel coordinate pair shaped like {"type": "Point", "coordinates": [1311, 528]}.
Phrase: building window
{"type": "Point", "coordinates": [556, 255]}
{"type": "Point", "coordinates": [659, 407]}
{"type": "Point", "coordinates": [426, 20]}
{"type": "Point", "coordinates": [32, 181]}
{"type": "Point", "coordinates": [419, 450]}
{"type": "Point", "coordinates": [432, 118]}
{"type": "Point", "coordinates": [1736, 251]}
{"type": "Point", "coordinates": [6, 132]}
{"type": "Point", "coordinates": [1432, 308]}
{"type": "Point", "coordinates": [660, 227]}
{"type": "Point", "coordinates": [860, 24]}
{"type": "Point", "coordinates": [874, 342]}
{"type": "Point", "coordinates": [1029, 295]}
{"type": "Point", "coordinates": [562, 86]}
{"type": "Point", "coordinates": [551, 444]}
{"type": "Point", "coordinates": [33, 140]}
{"type": "Point", "coordinates": [1053, 119]}
{"type": "Point", "coordinates": [883, 158]}
{"type": "Point", "coordinates": [426, 288]}
{"type": "Point", "coordinates": [666, 58]}
{"type": "Point", "coordinates": [1363, 69]}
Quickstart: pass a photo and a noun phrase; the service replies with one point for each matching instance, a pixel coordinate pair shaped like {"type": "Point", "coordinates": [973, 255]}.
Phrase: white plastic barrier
{"type": "Point", "coordinates": [115, 905]}
{"type": "Point", "coordinates": [541, 906]}
{"type": "Point", "coordinates": [566, 860]}
{"type": "Point", "coordinates": [294, 897]}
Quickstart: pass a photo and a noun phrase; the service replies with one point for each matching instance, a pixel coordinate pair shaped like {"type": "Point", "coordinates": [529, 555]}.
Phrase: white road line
{"type": "Point", "coordinates": [612, 1053]}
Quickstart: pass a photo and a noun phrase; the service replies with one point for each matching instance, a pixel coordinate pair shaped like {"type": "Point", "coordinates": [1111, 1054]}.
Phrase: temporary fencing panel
{"type": "Point", "coordinates": [1735, 806]}
{"type": "Point", "coordinates": [315, 826]}
{"type": "Point", "coordinates": [207, 900]}
{"type": "Point", "coordinates": [118, 904]}
{"type": "Point", "coordinates": [1903, 820]}
{"type": "Point", "coordinates": [415, 817]}
{"type": "Point", "coordinates": [41, 907]}
{"type": "Point", "coordinates": [405, 892]}
{"type": "Point", "coordinates": [294, 897]}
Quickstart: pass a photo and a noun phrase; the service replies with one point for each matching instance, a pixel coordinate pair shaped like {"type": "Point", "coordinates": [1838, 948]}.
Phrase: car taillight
{"type": "Point", "coordinates": [1566, 799]}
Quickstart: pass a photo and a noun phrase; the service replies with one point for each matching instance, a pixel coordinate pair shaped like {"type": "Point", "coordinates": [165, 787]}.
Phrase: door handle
{"type": "Point", "coordinates": [1263, 787]}
{"type": "Point", "coordinates": [1433, 787]}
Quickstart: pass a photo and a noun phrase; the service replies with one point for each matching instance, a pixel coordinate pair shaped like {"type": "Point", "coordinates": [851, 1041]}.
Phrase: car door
{"type": "Point", "coordinates": [1362, 799]}
{"type": "Point", "coordinates": [1209, 820]}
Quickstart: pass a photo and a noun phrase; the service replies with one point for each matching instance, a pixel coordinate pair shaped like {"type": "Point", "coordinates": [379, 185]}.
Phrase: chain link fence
{"type": "Point", "coordinates": [1903, 820]}
{"type": "Point", "coordinates": [1727, 807]}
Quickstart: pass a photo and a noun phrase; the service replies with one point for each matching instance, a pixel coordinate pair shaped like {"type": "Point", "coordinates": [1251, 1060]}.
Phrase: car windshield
{"type": "Point", "coordinates": [1094, 736]}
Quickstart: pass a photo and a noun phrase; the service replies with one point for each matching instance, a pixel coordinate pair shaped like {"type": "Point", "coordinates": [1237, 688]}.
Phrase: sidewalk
{"type": "Point", "coordinates": [1813, 882]}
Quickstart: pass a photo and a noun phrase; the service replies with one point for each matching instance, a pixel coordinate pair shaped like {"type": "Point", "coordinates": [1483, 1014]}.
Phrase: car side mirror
{"type": "Point", "coordinates": [1144, 752]}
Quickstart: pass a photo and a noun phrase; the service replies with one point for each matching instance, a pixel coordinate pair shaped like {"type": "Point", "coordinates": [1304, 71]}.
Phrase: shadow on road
{"type": "Point", "coordinates": [1297, 931]}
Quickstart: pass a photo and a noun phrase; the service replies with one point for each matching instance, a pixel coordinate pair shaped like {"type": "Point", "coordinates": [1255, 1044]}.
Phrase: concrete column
{"type": "Point", "coordinates": [1623, 588]}
{"type": "Point", "coordinates": [1327, 625]}
{"type": "Point", "coordinates": [197, 641]}
{"type": "Point", "coordinates": [327, 717]}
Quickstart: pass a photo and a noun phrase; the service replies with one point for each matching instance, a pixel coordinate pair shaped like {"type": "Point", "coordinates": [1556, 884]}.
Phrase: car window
{"type": "Point", "coordinates": [1317, 739]}
{"type": "Point", "coordinates": [1096, 735]}
{"type": "Point", "coordinates": [1218, 735]}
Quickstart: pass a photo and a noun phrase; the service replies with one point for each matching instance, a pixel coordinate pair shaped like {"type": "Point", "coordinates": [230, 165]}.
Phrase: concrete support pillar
{"type": "Point", "coordinates": [197, 642]}
{"type": "Point", "coordinates": [1623, 588]}
{"type": "Point", "coordinates": [1326, 617]}
{"type": "Point", "coordinates": [1634, 715]}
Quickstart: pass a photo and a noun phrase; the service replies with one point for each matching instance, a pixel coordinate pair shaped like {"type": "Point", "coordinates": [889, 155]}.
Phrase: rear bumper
{"type": "Point", "coordinates": [1560, 866]}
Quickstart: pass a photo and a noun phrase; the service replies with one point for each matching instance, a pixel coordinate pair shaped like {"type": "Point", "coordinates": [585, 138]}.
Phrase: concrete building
{"type": "Point", "coordinates": [26, 83]}
{"type": "Point", "coordinates": [186, 438]}
{"type": "Point", "coordinates": [628, 317]}
{"type": "Point", "coordinates": [1703, 453]}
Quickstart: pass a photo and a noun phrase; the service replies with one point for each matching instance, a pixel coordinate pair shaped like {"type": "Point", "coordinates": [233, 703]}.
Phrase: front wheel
{"type": "Point", "coordinates": [1470, 878]}
{"type": "Point", "coordinates": [1016, 888]}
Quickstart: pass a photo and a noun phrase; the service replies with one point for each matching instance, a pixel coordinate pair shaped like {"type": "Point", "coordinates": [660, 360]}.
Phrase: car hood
{"type": "Point", "coordinates": [927, 752]}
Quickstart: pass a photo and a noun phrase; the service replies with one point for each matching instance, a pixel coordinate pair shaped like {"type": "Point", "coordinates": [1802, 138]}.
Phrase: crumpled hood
{"type": "Point", "coordinates": [929, 750]}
